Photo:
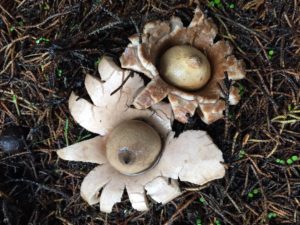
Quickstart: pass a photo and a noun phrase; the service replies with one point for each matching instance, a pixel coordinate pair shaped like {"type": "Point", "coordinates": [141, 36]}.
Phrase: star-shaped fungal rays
{"type": "Point", "coordinates": [185, 65]}
{"type": "Point", "coordinates": [191, 157]}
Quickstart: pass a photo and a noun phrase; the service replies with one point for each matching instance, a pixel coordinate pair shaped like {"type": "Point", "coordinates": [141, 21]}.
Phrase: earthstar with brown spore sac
{"type": "Point", "coordinates": [122, 151]}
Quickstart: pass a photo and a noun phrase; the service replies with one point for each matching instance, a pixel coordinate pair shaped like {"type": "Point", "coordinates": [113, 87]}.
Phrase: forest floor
{"type": "Point", "coordinates": [47, 47]}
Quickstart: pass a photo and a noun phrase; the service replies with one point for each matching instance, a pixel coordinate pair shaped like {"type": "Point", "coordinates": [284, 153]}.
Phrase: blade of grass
{"type": "Point", "coordinates": [66, 131]}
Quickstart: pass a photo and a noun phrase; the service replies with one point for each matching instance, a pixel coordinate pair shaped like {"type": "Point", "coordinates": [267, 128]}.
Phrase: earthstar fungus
{"type": "Point", "coordinates": [122, 149]}
{"type": "Point", "coordinates": [164, 48]}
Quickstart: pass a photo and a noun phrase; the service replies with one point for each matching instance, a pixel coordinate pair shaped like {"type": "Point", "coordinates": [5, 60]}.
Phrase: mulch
{"type": "Point", "coordinates": [47, 47]}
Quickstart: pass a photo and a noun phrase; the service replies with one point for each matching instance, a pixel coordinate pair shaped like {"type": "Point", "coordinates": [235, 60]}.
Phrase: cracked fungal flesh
{"type": "Point", "coordinates": [148, 57]}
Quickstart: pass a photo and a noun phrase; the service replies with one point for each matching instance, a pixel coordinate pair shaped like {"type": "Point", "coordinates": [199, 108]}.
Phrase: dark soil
{"type": "Point", "coordinates": [47, 47]}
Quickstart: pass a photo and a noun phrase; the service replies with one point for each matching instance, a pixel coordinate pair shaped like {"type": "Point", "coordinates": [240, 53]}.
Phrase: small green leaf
{"type": "Point", "coordinates": [59, 72]}
{"type": "Point", "coordinates": [272, 215]}
{"type": "Point", "coordinates": [289, 161]}
{"type": "Point", "coordinates": [242, 153]}
{"type": "Point", "coordinates": [97, 62]}
{"type": "Point", "coordinates": [250, 195]}
{"type": "Point", "coordinates": [231, 6]}
{"type": "Point", "coordinates": [271, 53]}
{"type": "Point", "coordinates": [42, 39]}
{"type": "Point", "coordinates": [217, 222]}
{"type": "Point", "coordinates": [15, 101]}
{"type": "Point", "coordinates": [294, 158]}
{"type": "Point", "coordinates": [241, 89]}
{"type": "Point", "coordinates": [282, 162]}
{"type": "Point", "coordinates": [203, 201]}
{"type": "Point", "coordinates": [198, 222]}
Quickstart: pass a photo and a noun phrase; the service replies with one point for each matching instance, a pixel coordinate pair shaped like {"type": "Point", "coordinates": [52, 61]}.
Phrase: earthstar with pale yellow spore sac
{"type": "Point", "coordinates": [187, 89]}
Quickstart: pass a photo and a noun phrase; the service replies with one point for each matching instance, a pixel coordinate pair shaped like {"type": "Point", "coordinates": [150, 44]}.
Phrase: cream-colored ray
{"type": "Point", "coordinates": [198, 18]}
{"type": "Point", "coordinates": [191, 157]}
{"type": "Point", "coordinates": [92, 150]}
{"type": "Point", "coordinates": [183, 109]}
{"type": "Point", "coordinates": [101, 120]}
{"type": "Point", "coordinates": [164, 110]}
{"type": "Point", "coordinates": [211, 112]}
{"type": "Point", "coordinates": [234, 95]}
{"type": "Point", "coordinates": [175, 23]}
{"type": "Point", "coordinates": [153, 93]}
{"type": "Point", "coordinates": [86, 114]}
{"type": "Point", "coordinates": [208, 28]}
{"type": "Point", "coordinates": [107, 68]}
{"type": "Point", "coordinates": [94, 88]}
{"type": "Point", "coordinates": [162, 119]}
{"type": "Point", "coordinates": [137, 197]}
{"type": "Point", "coordinates": [162, 191]}
{"type": "Point", "coordinates": [197, 159]}
{"type": "Point", "coordinates": [130, 60]}
{"type": "Point", "coordinates": [116, 78]}
{"type": "Point", "coordinates": [94, 181]}
{"type": "Point", "coordinates": [235, 68]}
{"type": "Point", "coordinates": [111, 194]}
